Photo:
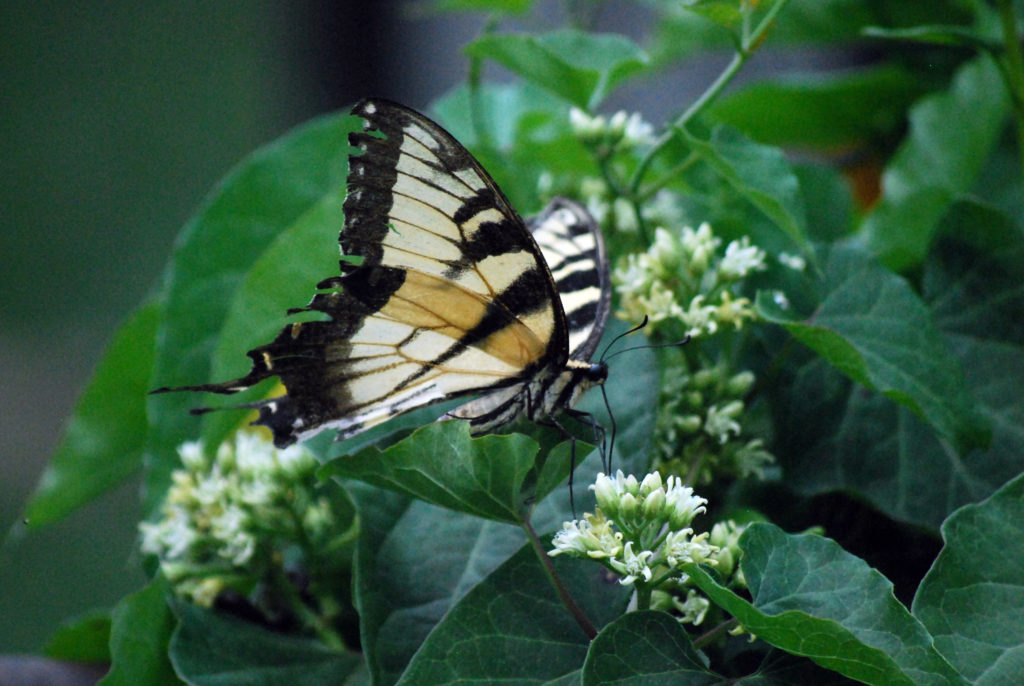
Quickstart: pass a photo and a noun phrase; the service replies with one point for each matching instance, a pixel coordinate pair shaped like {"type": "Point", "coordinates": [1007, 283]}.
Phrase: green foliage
{"type": "Point", "coordinates": [885, 368]}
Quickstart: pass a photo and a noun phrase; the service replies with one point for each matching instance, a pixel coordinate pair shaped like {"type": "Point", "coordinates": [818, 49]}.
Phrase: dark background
{"type": "Point", "coordinates": [117, 119]}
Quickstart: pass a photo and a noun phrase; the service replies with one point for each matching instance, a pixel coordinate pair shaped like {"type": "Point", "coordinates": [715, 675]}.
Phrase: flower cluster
{"type": "Point", "coordinates": [683, 277]}
{"type": "Point", "coordinates": [621, 130]}
{"type": "Point", "coordinates": [226, 522]}
{"type": "Point", "coordinates": [641, 531]}
{"type": "Point", "coordinates": [700, 423]}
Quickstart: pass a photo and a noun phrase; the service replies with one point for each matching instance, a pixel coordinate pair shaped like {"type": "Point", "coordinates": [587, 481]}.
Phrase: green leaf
{"type": "Point", "coordinates": [759, 173]}
{"type": "Point", "coordinates": [441, 464]}
{"type": "Point", "coordinates": [269, 191]}
{"type": "Point", "coordinates": [813, 599]}
{"type": "Point", "coordinates": [725, 13]}
{"type": "Point", "coordinates": [951, 135]}
{"type": "Point", "coordinates": [833, 436]}
{"type": "Point", "coordinates": [643, 648]}
{"type": "Point", "coordinates": [140, 632]}
{"type": "Point", "coordinates": [102, 444]}
{"type": "Point", "coordinates": [209, 649]}
{"type": "Point", "coordinates": [511, 628]}
{"type": "Point", "coordinates": [873, 328]}
{"type": "Point", "coordinates": [86, 639]}
{"type": "Point", "coordinates": [578, 66]}
{"type": "Point", "coordinates": [971, 598]}
{"type": "Point", "coordinates": [812, 110]}
{"type": "Point", "coordinates": [414, 562]}
{"type": "Point", "coordinates": [940, 34]}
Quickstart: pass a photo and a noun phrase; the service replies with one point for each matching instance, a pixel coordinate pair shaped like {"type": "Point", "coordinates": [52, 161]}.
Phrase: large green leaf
{"type": "Point", "coordinates": [441, 464]}
{"type": "Point", "coordinates": [835, 436]}
{"type": "Point", "coordinates": [971, 598]}
{"type": "Point", "coordinates": [511, 627]}
{"type": "Point", "coordinates": [951, 135]}
{"type": "Point", "coordinates": [210, 649]}
{"type": "Point", "coordinates": [812, 110]}
{"type": "Point", "coordinates": [414, 561]}
{"type": "Point", "coordinates": [578, 66]}
{"type": "Point", "coordinates": [645, 648]}
{"type": "Point", "coordinates": [141, 629]}
{"type": "Point", "coordinates": [272, 190]}
{"type": "Point", "coordinates": [102, 444]}
{"type": "Point", "coordinates": [759, 173]}
{"type": "Point", "coordinates": [811, 598]}
{"type": "Point", "coordinates": [873, 328]}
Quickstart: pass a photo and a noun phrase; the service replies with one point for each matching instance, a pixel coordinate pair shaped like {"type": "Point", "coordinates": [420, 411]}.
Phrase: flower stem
{"type": "Point", "coordinates": [308, 617]}
{"type": "Point", "coordinates": [749, 42]}
{"type": "Point", "coordinates": [556, 581]}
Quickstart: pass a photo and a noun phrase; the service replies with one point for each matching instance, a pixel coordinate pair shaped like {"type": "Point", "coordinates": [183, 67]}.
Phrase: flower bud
{"type": "Point", "coordinates": [654, 504]}
{"type": "Point", "coordinates": [740, 383]}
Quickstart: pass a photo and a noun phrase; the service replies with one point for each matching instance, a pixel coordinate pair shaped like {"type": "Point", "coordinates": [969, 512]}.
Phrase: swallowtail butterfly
{"type": "Point", "coordinates": [444, 292]}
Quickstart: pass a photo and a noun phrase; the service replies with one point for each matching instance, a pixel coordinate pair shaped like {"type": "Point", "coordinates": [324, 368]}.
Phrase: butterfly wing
{"type": "Point", "coordinates": [443, 292]}
{"type": "Point", "coordinates": [574, 252]}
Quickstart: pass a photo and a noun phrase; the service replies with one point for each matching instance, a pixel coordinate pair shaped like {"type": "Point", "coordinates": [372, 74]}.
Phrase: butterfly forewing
{"type": "Point", "coordinates": [443, 292]}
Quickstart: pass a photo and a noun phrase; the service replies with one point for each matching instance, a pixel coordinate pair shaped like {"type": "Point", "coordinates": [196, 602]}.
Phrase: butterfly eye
{"type": "Point", "coordinates": [597, 372]}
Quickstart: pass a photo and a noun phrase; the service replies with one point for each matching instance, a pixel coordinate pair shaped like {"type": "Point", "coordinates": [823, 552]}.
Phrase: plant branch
{"type": "Point", "coordinates": [556, 581]}
{"type": "Point", "coordinates": [749, 42]}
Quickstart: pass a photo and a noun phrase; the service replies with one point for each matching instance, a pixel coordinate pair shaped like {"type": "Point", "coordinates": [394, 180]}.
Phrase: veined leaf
{"type": "Point", "coordinates": [578, 66]}
{"type": "Point", "coordinates": [811, 598]}
{"type": "Point", "coordinates": [970, 599]}
{"type": "Point", "coordinates": [873, 328]}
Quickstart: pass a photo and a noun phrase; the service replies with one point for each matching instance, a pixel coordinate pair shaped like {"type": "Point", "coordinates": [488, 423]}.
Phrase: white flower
{"type": "Point", "coordinates": [632, 566]}
{"type": "Point", "coordinates": [700, 245]}
{"type": "Point", "coordinates": [752, 459]}
{"type": "Point", "coordinates": [795, 262]}
{"type": "Point", "coordinates": [719, 423]}
{"type": "Point", "coordinates": [625, 216]}
{"type": "Point", "coordinates": [740, 259]}
{"type": "Point", "coordinates": [638, 132]}
{"type": "Point", "coordinates": [666, 251]}
{"type": "Point", "coordinates": [592, 536]}
{"type": "Point", "coordinates": [694, 608]}
{"type": "Point", "coordinates": [586, 127]}
{"type": "Point", "coordinates": [191, 454]}
{"type": "Point", "coordinates": [681, 503]}
{"type": "Point", "coordinates": [734, 312]}
{"type": "Point", "coordinates": [699, 318]}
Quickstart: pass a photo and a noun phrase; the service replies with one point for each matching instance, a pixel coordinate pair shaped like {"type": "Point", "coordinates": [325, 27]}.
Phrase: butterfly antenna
{"type": "Point", "coordinates": [615, 340]}
{"type": "Point", "coordinates": [674, 344]}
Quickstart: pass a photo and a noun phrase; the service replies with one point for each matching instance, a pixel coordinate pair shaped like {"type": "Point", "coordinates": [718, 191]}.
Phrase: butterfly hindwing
{"type": "Point", "coordinates": [443, 292]}
{"type": "Point", "coordinates": [574, 252]}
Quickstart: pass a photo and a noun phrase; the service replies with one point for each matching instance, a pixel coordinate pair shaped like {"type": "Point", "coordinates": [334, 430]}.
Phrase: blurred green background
{"type": "Point", "coordinates": [117, 118]}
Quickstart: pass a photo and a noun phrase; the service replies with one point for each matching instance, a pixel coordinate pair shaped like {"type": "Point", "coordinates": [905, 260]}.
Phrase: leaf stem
{"type": "Point", "coordinates": [305, 613]}
{"type": "Point", "coordinates": [714, 633]}
{"type": "Point", "coordinates": [556, 581]}
{"type": "Point", "coordinates": [1014, 69]}
{"type": "Point", "coordinates": [749, 41]}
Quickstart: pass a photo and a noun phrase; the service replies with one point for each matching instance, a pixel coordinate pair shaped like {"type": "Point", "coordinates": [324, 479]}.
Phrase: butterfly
{"type": "Point", "coordinates": [444, 292]}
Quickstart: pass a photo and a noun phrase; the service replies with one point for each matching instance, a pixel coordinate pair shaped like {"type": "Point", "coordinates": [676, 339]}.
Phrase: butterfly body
{"type": "Point", "coordinates": [444, 292]}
